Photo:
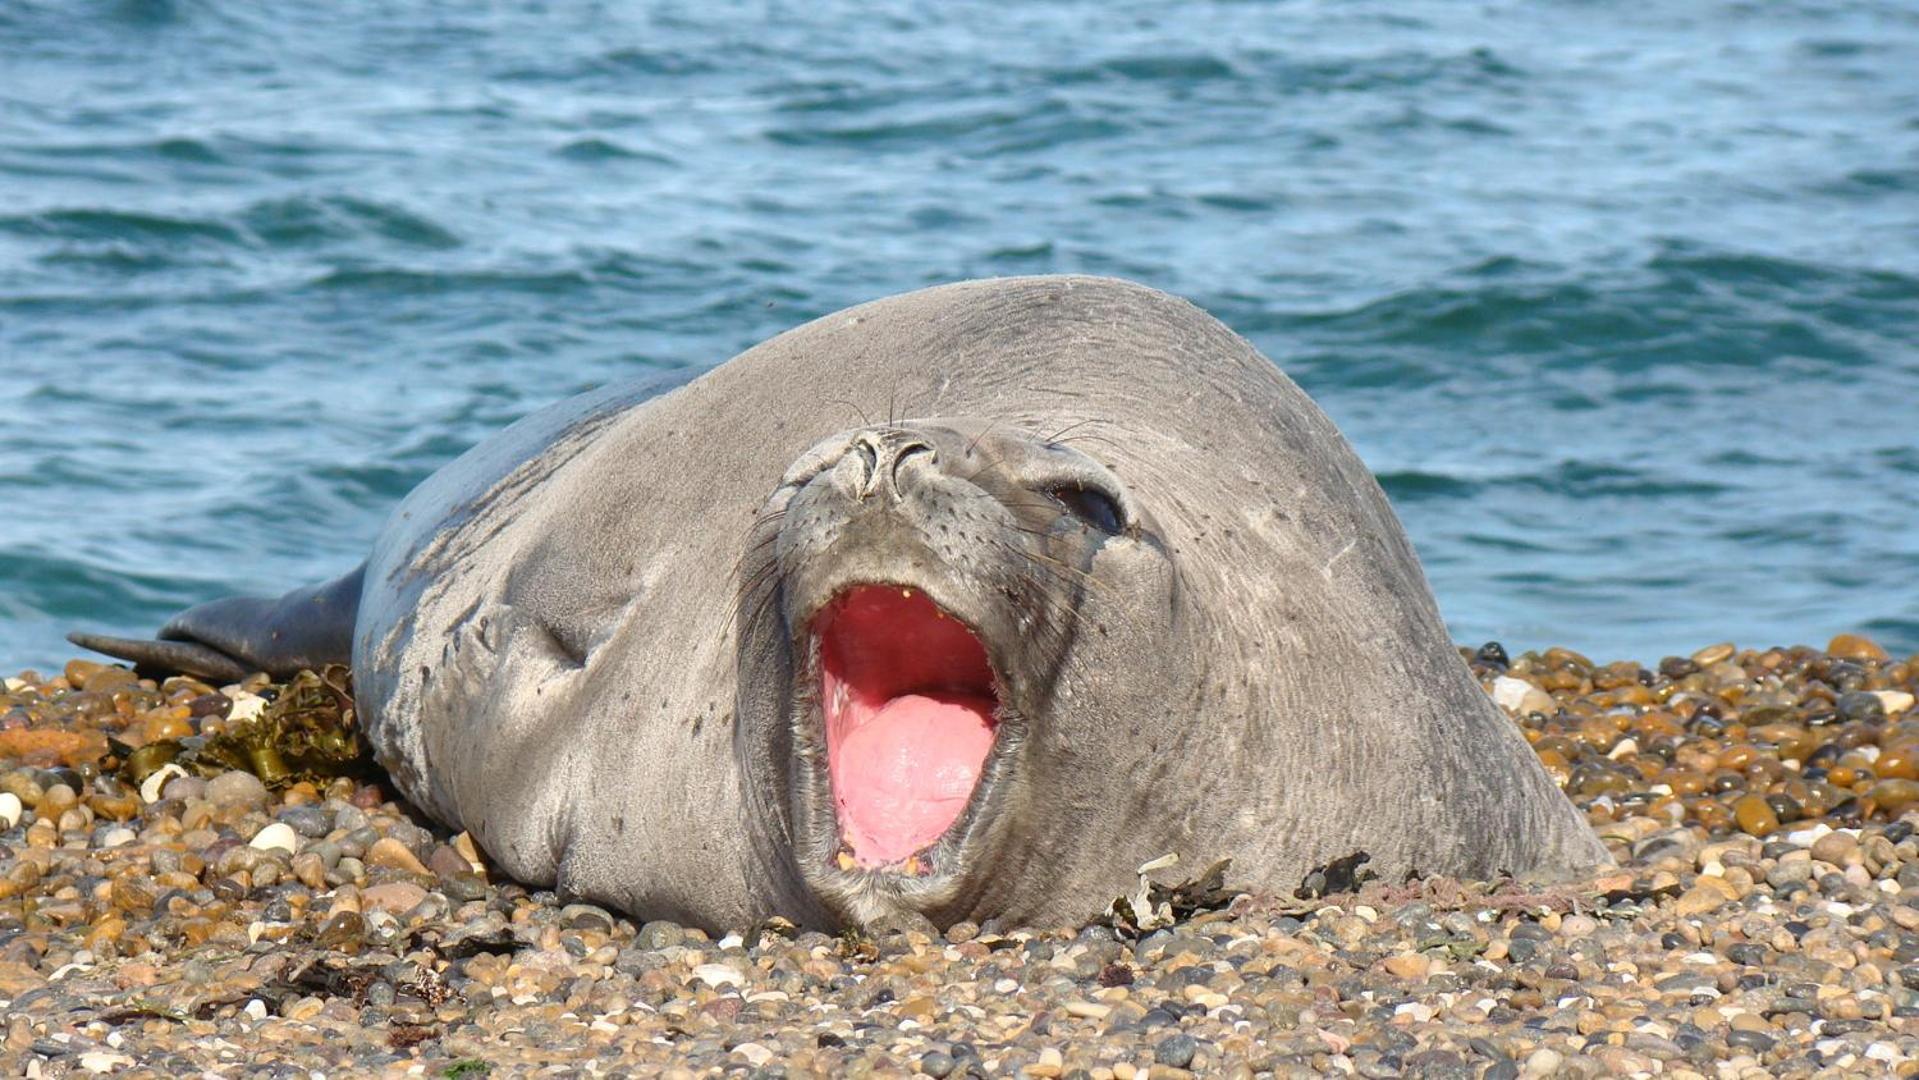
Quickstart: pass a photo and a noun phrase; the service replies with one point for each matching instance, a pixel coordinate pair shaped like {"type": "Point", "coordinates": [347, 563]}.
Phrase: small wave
{"type": "Point", "coordinates": [987, 130]}
{"type": "Point", "coordinates": [1871, 183]}
{"type": "Point", "coordinates": [1684, 308]}
{"type": "Point", "coordinates": [901, 133]}
{"type": "Point", "coordinates": [1184, 70]}
{"type": "Point", "coordinates": [403, 282]}
{"type": "Point", "coordinates": [1414, 485]}
{"type": "Point", "coordinates": [1239, 203]}
{"type": "Point", "coordinates": [103, 225]}
{"type": "Point", "coordinates": [1474, 69]}
{"type": "Point", "coordinates": [1412, 118]}
{"type": "Point", "coordinates": [597, 149]}
{"type": "Point", "coordinates": [71, 586]}
{"type": "Point", "coordinates": [1593, 480]}
{"type": "Point", "coordinates": [307, 220]}
{"type": "Point", "coordinates": [617, 64]}
{"type": "Point", "coordinates": [116, 258]}
{"type": "Point", "coordinates": [1038, 251]}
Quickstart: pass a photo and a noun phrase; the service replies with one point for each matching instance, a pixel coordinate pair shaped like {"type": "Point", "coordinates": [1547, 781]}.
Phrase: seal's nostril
{"type": "Point", "coordinates": [881, 454]}
{"type": "Point", "coordinates": [869, 451]}
{"type": "Point", "coordinates": [906, 450]}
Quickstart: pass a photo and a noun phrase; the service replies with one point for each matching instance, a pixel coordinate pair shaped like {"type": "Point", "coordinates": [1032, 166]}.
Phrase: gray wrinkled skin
{"type": "Point", "coordinates": [589, 641]}
{"type": "Point", "coordinates": [585, 641]}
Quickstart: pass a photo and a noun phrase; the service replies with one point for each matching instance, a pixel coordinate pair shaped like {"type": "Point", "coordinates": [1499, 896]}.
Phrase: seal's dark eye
{"type": "Point", "coordinates": [1091, 506]}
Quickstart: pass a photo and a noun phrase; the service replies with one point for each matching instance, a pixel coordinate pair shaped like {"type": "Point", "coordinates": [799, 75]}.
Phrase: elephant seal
{"type": "Point", "coordinates": [1116, 589]}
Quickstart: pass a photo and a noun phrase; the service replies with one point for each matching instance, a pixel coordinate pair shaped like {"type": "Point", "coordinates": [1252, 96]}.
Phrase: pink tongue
{"type": "Point", "coordinates": [904, 774]}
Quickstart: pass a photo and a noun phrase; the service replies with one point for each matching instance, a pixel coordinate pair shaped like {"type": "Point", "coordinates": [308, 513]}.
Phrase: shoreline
{"type": "Point", "coordinates": [1764, 919]}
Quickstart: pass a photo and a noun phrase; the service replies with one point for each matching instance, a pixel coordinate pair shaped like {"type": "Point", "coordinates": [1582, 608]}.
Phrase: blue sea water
{"type": "Point", "coordinates": [1620, 302]}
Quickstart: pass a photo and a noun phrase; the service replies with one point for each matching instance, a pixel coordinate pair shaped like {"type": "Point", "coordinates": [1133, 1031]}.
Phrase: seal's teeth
{"type": "Point", "coordinates": [845, 860]}
{"type": "Point", "coordinates": [912, 866]}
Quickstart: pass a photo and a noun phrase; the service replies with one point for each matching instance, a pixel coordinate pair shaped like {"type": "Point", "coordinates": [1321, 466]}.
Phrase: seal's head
{"type": "Point", "coordinates": [931, 593]}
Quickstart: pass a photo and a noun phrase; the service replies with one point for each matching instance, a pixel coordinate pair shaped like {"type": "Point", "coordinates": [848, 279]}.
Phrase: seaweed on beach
{"type": "Point", "coordinates": [1155, 905]}
{"type": "Point", "coordinates": [307, 731]}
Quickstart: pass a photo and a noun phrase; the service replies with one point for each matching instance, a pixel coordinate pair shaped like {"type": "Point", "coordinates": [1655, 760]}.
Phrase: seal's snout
{"type": "Point", "coordinates": [910, 708]}
{"type": "Point", "coordinates": [876, 459]}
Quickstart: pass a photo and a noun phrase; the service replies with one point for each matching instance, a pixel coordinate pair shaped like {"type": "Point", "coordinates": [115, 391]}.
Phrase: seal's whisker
{"type": "Point", "coordinates": [1075, 425]}
{"type": "Point", "coordinates": [985, 431]}
{"type": "Point", "coordinates": [753, 548]}
{"type": "Point", "coordinates": [768, 589]}
{"type": "Point", "coordinates": [1087, 436]}
{"type": "Point", "coordinates": [857, 411]}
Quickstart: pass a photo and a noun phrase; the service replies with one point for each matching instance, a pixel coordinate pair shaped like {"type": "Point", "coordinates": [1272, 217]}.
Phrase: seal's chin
{"type": "Point", "coordinates": [910, 709]}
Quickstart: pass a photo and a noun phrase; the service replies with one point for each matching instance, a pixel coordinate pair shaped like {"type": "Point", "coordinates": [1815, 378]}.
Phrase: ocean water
{"type": "Point", "coordinates": [1621, 303]}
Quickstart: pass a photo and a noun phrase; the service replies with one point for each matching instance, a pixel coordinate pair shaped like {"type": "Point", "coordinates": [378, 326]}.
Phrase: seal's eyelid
{"type": "Point", "coordinates": [1090, 505]}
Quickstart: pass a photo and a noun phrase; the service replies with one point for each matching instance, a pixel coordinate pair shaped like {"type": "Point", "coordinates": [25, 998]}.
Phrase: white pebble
{"type": "Point", "coordinates": [732, 941]}
{"type": "Point", "coordinates": [10, 809]}
{"type": "Point", "coordinates": [1543, 1062]}
{"type": "Point", "coordinates": [1807, 837]}
{"type": "Point", "coordinates": [119, 837]}
{"type": "Point", "coordinates": [1625, 748]}
{"type": "Point", "coordinates": [155, 785]}
{"type": "Point", "coordinates": [1883, 1052]}
{"type": "Point", "coordinates": [1895, 701]}
{"type": "Point", "coordinates": [256, 1009]}
{"type": "Point", "coordinates": [14, 685]}
{"type": "Point", "coordinates": [1420, 1013]}
{"type": "Point", "coordinates": [246, 706]}
{"type": "Point", "coordinates": [718, 975]}
{"type": "Point", "coordinates": [277, 836]}
{"type": "Point", "coordinates": [99, 1061]}
{"type": "Point", "coordinates": [1508, 692]}
{"type": "Point", "coordinates": [754, 1052]}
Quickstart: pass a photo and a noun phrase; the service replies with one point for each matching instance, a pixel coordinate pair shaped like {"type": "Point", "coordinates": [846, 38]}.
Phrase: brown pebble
{"type": "Point", "coordinates": [345, 929]}
{"type": "Point", "coordinates": [1894, 796]}
{"type": "Point", "coordinates": [1755, 816]}
{"type": "Point", "coordinates": [395, 897]}
{"type": "Point", "coordinates": [1709, 894]}
{"type": "Point", "coordinates": [237, 789]}
{"type": "Point", "coordinates": [132, 896]}
{"type": "Point", "coordinates": [1713, 654]}
{"type": "Point", "coordinates": [310, 869]}
{"type": "Point", "coordinates": [393, 855]}
{"type": "Point", "coordinates": [1408, 965]}
{"type": "Point", "coordinates": [446, 862]}
{"type": "Point", "coordinates": [122, 807]}
{"type": "Point", "coordinates": [1834, 847]}
{"type": "Point", "coordinates": [1857, 647]}
{"type": "Point", "coordinates": [58, 799]}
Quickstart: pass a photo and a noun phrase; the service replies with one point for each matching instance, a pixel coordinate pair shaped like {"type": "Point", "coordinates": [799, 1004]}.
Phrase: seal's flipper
{"type": "Point", "coordinates": [230, 639]}
{"type": "Point", "coordinates": [185, 657]}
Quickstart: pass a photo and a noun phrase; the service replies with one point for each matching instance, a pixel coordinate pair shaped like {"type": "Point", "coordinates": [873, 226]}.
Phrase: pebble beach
{"type": "Point", "coordinates": [163, 914]}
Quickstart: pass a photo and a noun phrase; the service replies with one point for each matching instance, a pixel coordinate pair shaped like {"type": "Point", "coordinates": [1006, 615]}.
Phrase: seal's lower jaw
{"type": "Point", "coordinates": [910, 709]}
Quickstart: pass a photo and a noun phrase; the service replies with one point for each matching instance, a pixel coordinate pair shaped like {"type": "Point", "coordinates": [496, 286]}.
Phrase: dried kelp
{"type": "Point", "coordinates": [307, 730]}
{"type": "Point", "coordinates": [1155, 905]}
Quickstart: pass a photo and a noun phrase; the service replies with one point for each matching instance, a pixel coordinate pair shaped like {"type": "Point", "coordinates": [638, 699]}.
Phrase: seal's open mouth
{"type": "Point", "coordinates": [910, 704]}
